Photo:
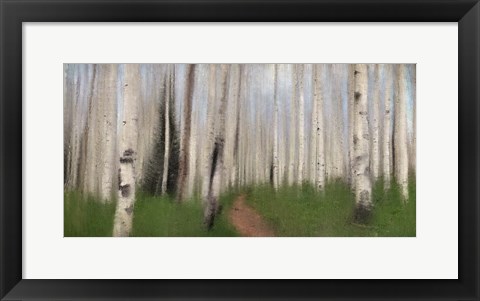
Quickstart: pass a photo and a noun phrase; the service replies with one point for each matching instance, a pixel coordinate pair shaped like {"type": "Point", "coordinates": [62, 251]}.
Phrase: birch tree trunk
{"type": "Point", "coordinates": [169, 88]}
{"type": "Point", "coordinates": [240, 132]}
{"type": "Point", "coordinates": [68, 104]}
{"type": "Point", "coordinates": [361, 141]}
{"type": "Point", "coordinates": [74, 145]}
{"type": "Point", "coordinates": [128, 144]}
{"type": "Point", "coordinates": [375, 160]}
{"type": "Point", "coordinates": [231, 122]}
{"type": "Point", "coordinates": [293, 125]}
{"type": "Point", "coordinates": [351, 120]}
{"type": "Point", "coordinates": [98, 128]}
{"type": "Point", "coordinates": [218, 154]}
{"type": "Point", "coordinates": [192, 152]}
{"type": "Point", "coordinates": [387, 128]}
{"type": "Point", "coordinates": [185, 143]}
{"type": "Point", "coordinates": [107, 94]}
{"type": "Point", "coordinates": [342, 166]}
{"type": "Point", "coordinates": [313, 132]}
{"type": "Point", "coordinates": [258, 164]}
{"type": "Point", "coordinates": [319, 129]}
{"type": "Point", "coordinates": [275, 129]}
{"type": "Point", "coordinates": [157, 162]}
{"type": "Point", "coordinates": [90, 136]}
{"type": "Point", "coordinates": [301, 125]}
{"type": "Point", "coordinates": [400, 132]}
{"type": "Point", "coordinates": [236, 147]}
{"type": "Point", "coordinates": [414, 126]}
{"type": "Point", "coordinates": [337, 139]}
{"type": "Point", "coordinates": [283, 145]}
{"type": "Point", "coordinates": [330, 145]}
{"type": "Point", "coordinates": [84, 87]}
{"type": "Point", "coordinates": [210, 139]}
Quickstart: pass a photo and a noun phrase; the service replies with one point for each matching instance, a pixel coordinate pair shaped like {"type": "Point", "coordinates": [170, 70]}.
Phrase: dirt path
{"type": "Point", "coordinates": [247, 221]}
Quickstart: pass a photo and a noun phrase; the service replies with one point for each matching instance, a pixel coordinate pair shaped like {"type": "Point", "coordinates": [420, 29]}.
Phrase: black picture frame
{"type": "Point", "coordinates": [14, 12]}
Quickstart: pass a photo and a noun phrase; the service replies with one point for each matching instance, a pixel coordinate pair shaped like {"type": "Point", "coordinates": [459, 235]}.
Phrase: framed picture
{"type": "Point", "coordinates": [189, 127]}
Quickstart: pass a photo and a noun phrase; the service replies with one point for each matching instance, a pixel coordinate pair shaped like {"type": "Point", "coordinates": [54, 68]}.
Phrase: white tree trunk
{"type": "Point", "coordinates": [128, 144]}
{"type": "Point", "coordinates": [74, 145]}
{"type": "Point", "coordinates": [240, 140]}
{"type": "Point", "coordinates": [218, 153]}
{"type": "Point", "coordinates": [312, 158]}
{"type": "Point", "coordinates": [363, 186]}
{"type": "Point", "coordinates": [337, 138]}
{"type": "Point", "coordinates": [238, 90]}
{"type": "Point", "coordinates": [275, 129]}
{"type": "Point", "coordinates": [414, 126]}
{"type": "Point", "coordinates": [107, 93]}
{"type": "Point", "coordinates": [169, 88]}
{"type": "Point", "coordinates": [68, 103]}
{"type": "Point", "coordinates": [210, 139]}
{"type": "Point", "coordinates": [91, 135]}
{"type": "Point", "coordinates": [183, 169]}
{"type": "Point", "coordinates": [343, 157]}
{"type": "Point", "coordinates": [375, 160]}
{"type": "Point", "coordinates": [400, 132]}
{"type": "Point", "coordinates": [258, 164]}
{"type": "Point", "coordinates": [284, 146]}
{"type": "Point", "coordinates": [192, 153]}
{"type": "Point", "coordinates": [293, 125]}
{"type": "Point", "coordinates": [387, 128]}
{"type": "Point", "coordinates": [230, 129]}
{"type": "Point", "coordinates": [351, 122]}
{"type": "Point", "coordinates": [301, 125]}
{"type": "Point", "coordinates": [330, 145]}
{"type": "Point", "coordinates": [319, 128]}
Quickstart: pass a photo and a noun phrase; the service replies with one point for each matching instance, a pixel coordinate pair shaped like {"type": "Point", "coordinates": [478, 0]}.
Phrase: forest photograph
{"type": "Point", "coordinates": [239, 150]}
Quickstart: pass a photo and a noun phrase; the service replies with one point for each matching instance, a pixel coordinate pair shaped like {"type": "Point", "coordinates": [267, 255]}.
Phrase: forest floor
{"type": "Point", "coordinates": [247, 221]}
{"type": "Point", "coordinates": [260, 210]}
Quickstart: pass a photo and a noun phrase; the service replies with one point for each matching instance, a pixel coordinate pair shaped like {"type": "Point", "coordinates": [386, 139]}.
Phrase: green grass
{"type": "Point", "coordinates": [159, 217]}
{"type": "Point", "coordinates": [291, 211]}
{"type": "Point", "coordinates": [391, 217]}
{"type": "Point", "coordinates": [300, 211]}
{"type": "Point", "coordinates": [85, 216]}
{"type": "Point", "coordinates": [153, 216]}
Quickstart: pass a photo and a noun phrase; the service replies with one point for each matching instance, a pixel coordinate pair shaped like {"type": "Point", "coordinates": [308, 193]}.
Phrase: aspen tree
{"type": "Point", "coordinates": [387, 128]}
{"type": "Point", "coordinates": [375, 159]}
{"type": "Point", "coordinates": [128, 144]}
{"type": "Point", "coordinates": [192, 152]}
{"type": "Point", "coordinates": [258, 163]}
{"type": "Point", "coordinates": [275, 129]}
{"type": "Point", "coordinates": [210, 138]}
{"type": "Point", "coordinates": [301, 125]}
{"type": "Point", "coordinates": [169, 90]}
{"type": "Point", "coordinates": [361, 141]}
{"type": "Point", "coordinates": [293, 124]}
{"type": "Point", "coordinates": [108, 99]}
{"type": "Point", "coordinates": [231, 123]}
{"type": "Point", "coordinates": [74, 144]}
{"type": "Point", "coordinates": [67, 124]}
{"type": "Point", "coordinates": [400, 132]}
{"type": "Point", "coordinates": [236, 146]}
{"type": "Point", "coordinates": [337, 139]}
{"type": "Point", "coordinates": [90, 134]}
{"type": "Point", "coordinates": [212, 207]}
{"type": "Point", "coordinates": [351, 118]}
{"type": "Point", "coordinates": [319, 128]}
{"type": "Point", "coordinates": [414, 126]}
{"type": "Point", "coordinates": [185, 142]}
